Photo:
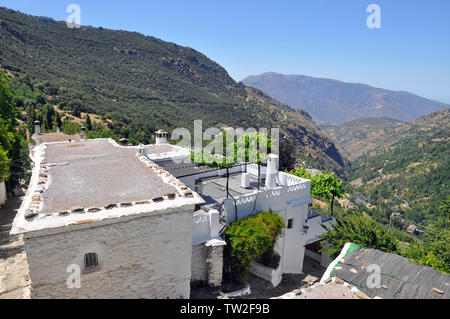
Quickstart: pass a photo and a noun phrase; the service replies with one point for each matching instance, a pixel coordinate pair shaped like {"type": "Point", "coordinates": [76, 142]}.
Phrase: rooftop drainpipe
{"type": "Point", "coordinates": [229, 195]}
{"type": "Point", "coordinates": [259, 175]}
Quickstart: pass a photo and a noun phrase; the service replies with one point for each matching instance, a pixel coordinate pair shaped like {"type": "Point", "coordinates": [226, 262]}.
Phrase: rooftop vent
{"type": "Point", "coordinates": [245, 180]}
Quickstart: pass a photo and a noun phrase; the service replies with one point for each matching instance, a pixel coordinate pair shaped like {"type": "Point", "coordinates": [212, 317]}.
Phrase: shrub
{"type": "Point", "coordinates": [359, 229]}
{"type": "Point", "coordinates": [248, 239]}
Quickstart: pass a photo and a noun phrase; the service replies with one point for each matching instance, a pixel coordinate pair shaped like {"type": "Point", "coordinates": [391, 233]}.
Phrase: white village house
{"type": "Point", "coordinates": [140, 223]}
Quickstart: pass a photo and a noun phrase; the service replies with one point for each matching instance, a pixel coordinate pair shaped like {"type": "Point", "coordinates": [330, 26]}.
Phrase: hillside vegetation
{"type": "Point", "coordinates": [410, 173]}
{"type": "Point", "coordinates": [361, 136]}
{"type": "Point", "coordinates": [139, 84]}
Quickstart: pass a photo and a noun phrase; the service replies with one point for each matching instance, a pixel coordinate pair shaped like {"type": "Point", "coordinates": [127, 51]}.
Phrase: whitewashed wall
{"type": "Point", "coordinates": [145, 256]}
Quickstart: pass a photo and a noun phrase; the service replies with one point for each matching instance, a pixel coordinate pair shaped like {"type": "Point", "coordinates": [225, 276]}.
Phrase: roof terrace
{"type": "Point", "coordinates": [91, 180]}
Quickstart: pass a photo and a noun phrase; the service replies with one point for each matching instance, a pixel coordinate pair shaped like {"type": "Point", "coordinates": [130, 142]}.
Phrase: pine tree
{"type": "Point", "coordinates": [88, 123]}
{"type": "Point", "coordinates": [31, 117]}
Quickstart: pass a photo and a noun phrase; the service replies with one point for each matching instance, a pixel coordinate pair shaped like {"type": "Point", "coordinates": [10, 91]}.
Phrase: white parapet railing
{"type": "Point", "coordinates": [253, 169]}
{"type": "Point", "coordinates": [296, 188]}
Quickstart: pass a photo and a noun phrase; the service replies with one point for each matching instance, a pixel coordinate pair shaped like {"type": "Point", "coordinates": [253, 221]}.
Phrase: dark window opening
{"type": "Point", "coordinates": [290, 223]}
{"type": "Point", "coordinates": [90, 260]}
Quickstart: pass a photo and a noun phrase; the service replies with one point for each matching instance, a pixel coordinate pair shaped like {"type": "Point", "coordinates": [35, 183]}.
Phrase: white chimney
{"type": "Point", "coordinates": [37, 127]}
{"type": "Point", "coordinates": [271, 172]}
{"type": "Point", "coordinates": [245, 180]}
{"type": "Point", "coordinates": [161, 137]}
{"type": "Point", "coordinates": [58, 130]}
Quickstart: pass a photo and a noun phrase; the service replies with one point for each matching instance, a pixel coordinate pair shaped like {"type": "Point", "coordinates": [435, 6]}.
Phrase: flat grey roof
{"type": "Point", "coordinates": [95, 173]}
{"type": "Point", "coordinates": [183, 169]}
{"type": "Point", "coordinates": [214, 189]}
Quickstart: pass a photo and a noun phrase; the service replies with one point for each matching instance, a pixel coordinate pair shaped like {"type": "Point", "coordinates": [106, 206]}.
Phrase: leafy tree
{"type": "Point", "coordinates": [444, 210]}
{"type": "Point", "coordinates": [4, 161]}
{"type": "Point", "coordinates": [57, 120]}
{"type": "Point", "coordinates": [322, 185]}
{"type": "Point", "coordinates": [48, 114]}
{"type": "Point", "coordinates": [70, 128]}
{"type": "Point", "coordinates": [328, 186]}
{"type": "Point", "coordinates": [300, 172]}
{"type": "Point", "coordinates": [40, 98]}
{"type": "Point", "coordinates": [13, 149]}
{"type": "Point", "coordinates": [248, 239]}
{"type": "Point", "coordinates": [287, 156]}
{"type": "Point", "coordinates": [359, 229]}
{"type": "Point", "coordinates": [31, 118]}
{"type": "Point", "coordinates": [246, 149]}
{"type": "Point", "coordinates": [88, 123]}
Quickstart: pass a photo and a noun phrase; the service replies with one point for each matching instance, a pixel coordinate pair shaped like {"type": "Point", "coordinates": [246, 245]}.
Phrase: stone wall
{"type": "Point", "coordinates": [215, 270]}
{"type": "Point", "coordinates": [207, 264]}
{"type": "Point", "coordinates": [199, 266]}
{"type": "Point", "coordinates": [140, 256]}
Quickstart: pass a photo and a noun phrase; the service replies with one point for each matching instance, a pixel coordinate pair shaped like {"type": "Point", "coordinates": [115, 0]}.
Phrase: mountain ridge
{"type": "Point", "coordinates": [335, 102]}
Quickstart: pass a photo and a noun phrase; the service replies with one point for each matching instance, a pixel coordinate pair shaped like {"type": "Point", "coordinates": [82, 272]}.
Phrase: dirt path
{"type": "Point", "coordinates": [14, 279]}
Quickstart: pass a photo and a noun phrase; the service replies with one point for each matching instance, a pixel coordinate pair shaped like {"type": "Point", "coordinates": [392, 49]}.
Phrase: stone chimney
{"type": "Point", "coordinates": [272, 172]}
{"type": "Point", "coordinates": [83, 133]}
{"type": "Point", "coordinates": [161, 137]}
{"type": "Point", "coordinates": [37, 127]}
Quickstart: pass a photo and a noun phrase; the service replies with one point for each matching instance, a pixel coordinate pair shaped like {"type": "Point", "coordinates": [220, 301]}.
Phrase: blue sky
{"type": "Point", "coordinates": [318, 38]}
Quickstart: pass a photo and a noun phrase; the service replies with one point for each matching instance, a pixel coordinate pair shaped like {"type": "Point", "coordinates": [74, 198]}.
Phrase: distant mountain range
{"type": "Point", "coordinates": [336, 102]}
{"type": "Point", "coordinates": [140, 84]}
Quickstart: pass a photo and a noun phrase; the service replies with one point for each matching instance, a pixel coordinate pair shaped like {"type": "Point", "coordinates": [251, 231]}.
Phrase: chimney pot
{"type": "Point", "coordinates": [37, 127]}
